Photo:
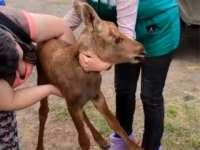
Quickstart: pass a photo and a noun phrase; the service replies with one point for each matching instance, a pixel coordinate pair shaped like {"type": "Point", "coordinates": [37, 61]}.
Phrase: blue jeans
{"type": "Point", "coordinates": [153, 75]}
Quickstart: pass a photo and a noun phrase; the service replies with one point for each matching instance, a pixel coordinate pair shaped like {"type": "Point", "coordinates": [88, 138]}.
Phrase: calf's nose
{"type": "Point", "coordinates": [143, 52]}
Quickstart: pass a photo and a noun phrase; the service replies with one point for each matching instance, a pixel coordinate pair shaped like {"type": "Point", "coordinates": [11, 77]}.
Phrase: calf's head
{"type": "Point", "coordinates": [105, 39]}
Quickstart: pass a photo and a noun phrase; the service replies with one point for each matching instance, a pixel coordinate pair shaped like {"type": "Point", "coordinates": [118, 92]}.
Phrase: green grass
{"type": "Point", "coordinates": [182, 121]}
{"type": "Point", "coordinates": [61, 112]}
{"type": "Point", "coordinates": [95, 117]}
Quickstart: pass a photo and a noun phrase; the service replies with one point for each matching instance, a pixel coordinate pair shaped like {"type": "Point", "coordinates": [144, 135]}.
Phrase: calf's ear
{"type": "Point", "coordinates": [88, 16]}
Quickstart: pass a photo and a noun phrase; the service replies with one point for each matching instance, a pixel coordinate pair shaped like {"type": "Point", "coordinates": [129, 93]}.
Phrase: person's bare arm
{"type": "Point", "coordinates": [72, 19]}
{"type": "Point", "coordinates": [48, 27]}
{"type": "Point", "coordinates": [23, 98]}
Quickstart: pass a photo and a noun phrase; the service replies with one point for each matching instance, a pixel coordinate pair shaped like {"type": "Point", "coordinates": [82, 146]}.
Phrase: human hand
{"type": "Point", "coordinates": [91, 62]}
{"type": "Point", "coordinates": [54, 90]}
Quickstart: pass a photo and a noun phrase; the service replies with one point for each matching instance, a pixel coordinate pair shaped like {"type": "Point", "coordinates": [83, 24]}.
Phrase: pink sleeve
{"type": "Point", "coordinates": [126, 17]}
{"type": "Point", "coordinates": [72, 18]}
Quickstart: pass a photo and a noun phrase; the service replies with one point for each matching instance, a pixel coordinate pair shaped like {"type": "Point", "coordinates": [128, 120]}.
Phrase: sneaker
{"type": "Point", "coordinates": [118, 143]}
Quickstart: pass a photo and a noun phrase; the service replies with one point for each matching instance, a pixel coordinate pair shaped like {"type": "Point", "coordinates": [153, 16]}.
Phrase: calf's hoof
{"type": "Point", "coordinates": [104, 145]}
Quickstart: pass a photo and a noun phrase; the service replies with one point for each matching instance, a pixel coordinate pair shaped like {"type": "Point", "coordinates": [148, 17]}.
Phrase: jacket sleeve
{"type": "Point", "coordinates": [72, 18]}
{"type": "Point", "coordinates": [126, 17]}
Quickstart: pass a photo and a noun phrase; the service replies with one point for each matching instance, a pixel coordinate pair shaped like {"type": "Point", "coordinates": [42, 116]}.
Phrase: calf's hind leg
{"type": "Point", "coordinates": [100, 103]}
{"type": "Point", "coordinates": [96, 135]}
{"type": "Point", "coordinates": [43, 113]}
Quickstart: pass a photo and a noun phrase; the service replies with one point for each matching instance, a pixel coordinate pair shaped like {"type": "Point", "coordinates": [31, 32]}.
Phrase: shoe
{"type": "Point", "coordinates": [118, 143]}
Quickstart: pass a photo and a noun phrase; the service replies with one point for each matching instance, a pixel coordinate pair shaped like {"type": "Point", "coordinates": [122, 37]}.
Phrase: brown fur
{"type": "Point", "coordinates": [60, 67]}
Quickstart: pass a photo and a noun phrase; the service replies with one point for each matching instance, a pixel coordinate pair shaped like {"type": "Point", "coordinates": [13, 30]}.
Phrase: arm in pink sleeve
{"type": "Point", "coordinates": [126, 17]}
{"type": "Point", "coordinates": [72, 18]}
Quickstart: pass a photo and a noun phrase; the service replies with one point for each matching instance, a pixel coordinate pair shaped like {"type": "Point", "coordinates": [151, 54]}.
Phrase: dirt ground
{"type": "Point", "coordinates": [182, 94]}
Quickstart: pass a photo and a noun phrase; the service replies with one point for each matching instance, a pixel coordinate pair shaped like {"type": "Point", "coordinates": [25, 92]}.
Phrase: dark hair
{"type": "Point", "coordinates": [9, 56]}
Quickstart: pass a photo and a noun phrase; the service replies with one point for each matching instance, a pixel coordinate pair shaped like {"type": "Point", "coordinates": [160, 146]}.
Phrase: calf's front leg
{"type": "Point", "coordinates": [101, 105]}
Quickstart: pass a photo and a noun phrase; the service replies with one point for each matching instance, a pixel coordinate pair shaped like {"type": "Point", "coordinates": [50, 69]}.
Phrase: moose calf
{"type": "Point", "coordinates": [60, 67]}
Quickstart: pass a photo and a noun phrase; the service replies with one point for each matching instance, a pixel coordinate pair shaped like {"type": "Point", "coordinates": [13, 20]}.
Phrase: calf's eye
{"type": "Point", "coordinates": [118, 40]}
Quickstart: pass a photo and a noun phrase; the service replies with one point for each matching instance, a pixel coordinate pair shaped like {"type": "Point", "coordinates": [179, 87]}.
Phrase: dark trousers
{"type": "Point", "coordinates": [153, 75]}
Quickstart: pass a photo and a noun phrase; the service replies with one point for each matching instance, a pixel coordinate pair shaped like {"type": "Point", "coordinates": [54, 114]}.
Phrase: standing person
{"type": "Point", "coordinates": [18, 29]}
{"type": "Point", "coordinates": [158, 29]}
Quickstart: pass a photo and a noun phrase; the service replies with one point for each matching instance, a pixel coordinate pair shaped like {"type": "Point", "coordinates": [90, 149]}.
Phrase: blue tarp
{"type": "Point", "coordinates": [2, 2]}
